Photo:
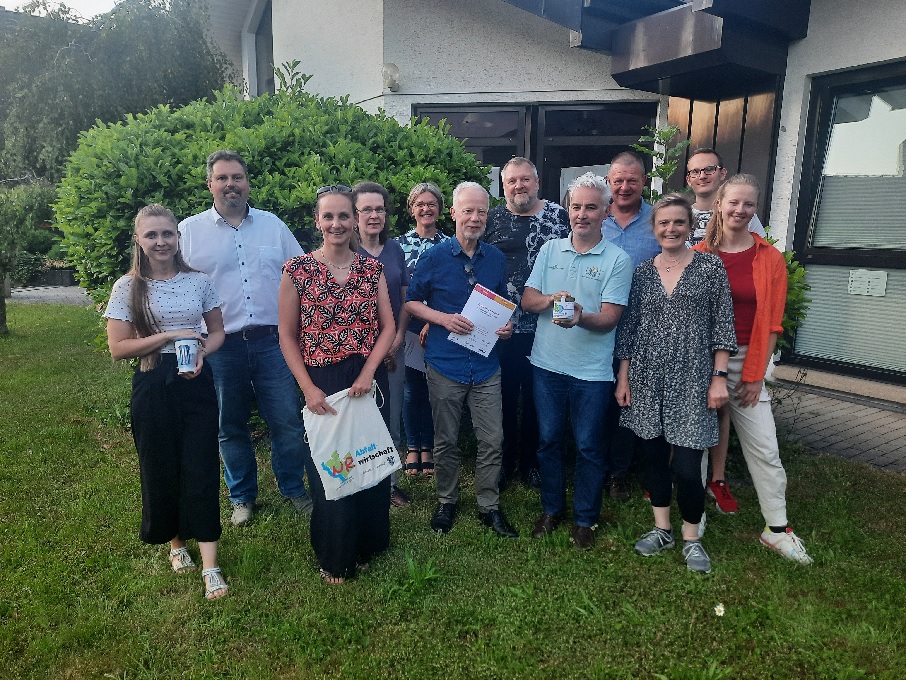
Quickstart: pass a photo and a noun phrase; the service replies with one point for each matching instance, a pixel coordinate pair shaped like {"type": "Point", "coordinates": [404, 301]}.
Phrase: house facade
{"type": "Point", "coordinates": [810, 96]}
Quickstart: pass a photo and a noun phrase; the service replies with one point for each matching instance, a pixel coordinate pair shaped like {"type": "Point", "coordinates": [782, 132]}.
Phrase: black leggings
{"type": "Point", "coordinates": [686, 467]}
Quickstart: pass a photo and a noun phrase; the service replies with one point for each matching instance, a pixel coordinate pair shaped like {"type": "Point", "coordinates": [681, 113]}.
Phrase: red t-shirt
{"type": "Point", "coordinates": [742, 288]}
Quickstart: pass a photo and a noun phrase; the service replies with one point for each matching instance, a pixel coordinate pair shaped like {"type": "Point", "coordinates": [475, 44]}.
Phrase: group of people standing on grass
{"type": "Point", "coordinates": [664, 343]}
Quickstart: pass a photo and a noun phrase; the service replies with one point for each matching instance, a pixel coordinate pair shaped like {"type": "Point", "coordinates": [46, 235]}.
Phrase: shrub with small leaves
{"type": "Point", "coordinates": [293, 142]}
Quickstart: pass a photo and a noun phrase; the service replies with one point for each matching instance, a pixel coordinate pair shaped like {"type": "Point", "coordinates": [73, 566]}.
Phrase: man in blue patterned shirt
{"type": "Point", "coordinates": [519, 229]}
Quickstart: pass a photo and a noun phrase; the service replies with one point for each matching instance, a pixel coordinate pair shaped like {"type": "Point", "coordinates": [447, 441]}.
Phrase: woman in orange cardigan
{"type": "Point", "coordinates": [758, 281]}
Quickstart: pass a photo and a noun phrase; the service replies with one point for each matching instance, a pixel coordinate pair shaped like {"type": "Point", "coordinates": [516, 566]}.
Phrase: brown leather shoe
{"type": "Point", "coordinates": [582, 537]}
{"type": "Point", "coordinates": [545, 525]}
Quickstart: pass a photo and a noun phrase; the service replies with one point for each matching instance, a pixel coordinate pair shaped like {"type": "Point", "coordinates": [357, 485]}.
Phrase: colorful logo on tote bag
{"type": "Point", "coordinates": [339, 469]}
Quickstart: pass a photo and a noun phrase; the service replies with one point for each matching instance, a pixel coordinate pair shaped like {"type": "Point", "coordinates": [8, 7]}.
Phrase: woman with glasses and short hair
{"type": "Point", "coordinates": [336, 326]}
{"type": "Point", "coordinates": [426, 204]}
{"type": "Point", "coordinates": [372, 207]}
{"type": "Point", "coordinates": [758, 283]}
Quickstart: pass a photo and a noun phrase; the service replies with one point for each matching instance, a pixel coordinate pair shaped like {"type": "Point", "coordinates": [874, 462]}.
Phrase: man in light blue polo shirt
{"type": "Point", "coordinates": [573, 358]}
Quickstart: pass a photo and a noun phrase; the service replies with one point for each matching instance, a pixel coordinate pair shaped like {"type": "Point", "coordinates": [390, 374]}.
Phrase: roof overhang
{"type": "Point", "coordinates": [698, 49]}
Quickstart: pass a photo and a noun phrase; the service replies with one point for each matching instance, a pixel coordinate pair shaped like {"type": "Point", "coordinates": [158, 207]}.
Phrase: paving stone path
{"type": "Point", "coordinates": [51, 295]}
{"type": "Point", "coordinates": [858, 428]}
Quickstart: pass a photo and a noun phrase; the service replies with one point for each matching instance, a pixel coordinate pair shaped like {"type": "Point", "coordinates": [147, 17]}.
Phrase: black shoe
{"type": "Point", "coordinates": [545, 525]}
{"type": "Point", "coordinates": [619, 489]}
{"type": "Point", "coordinates": [399, 498]}
{"type": "Point", "coordinates": [443, 517]}
{"type": "Point", "coordinates": [496, 520]}
{"type": "Point", "coordinates": [582, 537]}
{"type": "Point", "coordinates": [532, 479]}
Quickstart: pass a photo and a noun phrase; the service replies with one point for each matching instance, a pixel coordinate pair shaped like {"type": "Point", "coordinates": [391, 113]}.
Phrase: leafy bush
{"type": "Point", "coordinates": [293, 142]}
{"type": "Point", "coordinates": [39, 240]}
{"type": "Point", "coordinates": [797, 300]}
{"type": "Point", "coordinates": [22, 209]}
{"type": "Point", "coordinates": [29, 266]}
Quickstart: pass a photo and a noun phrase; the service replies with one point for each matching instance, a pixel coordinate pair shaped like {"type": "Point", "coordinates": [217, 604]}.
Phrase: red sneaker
{"type": "Point", "coordinates": [722, 496]}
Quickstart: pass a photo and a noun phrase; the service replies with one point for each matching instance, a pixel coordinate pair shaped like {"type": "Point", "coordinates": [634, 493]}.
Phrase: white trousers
{"type": "Point", "coordinates": [758, 437]}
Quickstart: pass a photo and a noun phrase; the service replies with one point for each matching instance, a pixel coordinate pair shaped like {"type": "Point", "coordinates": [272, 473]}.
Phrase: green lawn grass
{"type": "Point", "coordinates": [82, 597]}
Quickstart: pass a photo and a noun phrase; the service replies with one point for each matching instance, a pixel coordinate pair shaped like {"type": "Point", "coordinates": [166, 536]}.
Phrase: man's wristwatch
{"type": "Point", "coordinates": [719, 374]}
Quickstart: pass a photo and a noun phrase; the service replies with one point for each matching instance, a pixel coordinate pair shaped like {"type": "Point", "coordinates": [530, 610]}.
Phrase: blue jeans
{"type": "Point", "coordinates": [246, 370]}
{"type": "Point", "coordinates": [587, 404]}
{"type": "Point", "coordinates": [417, 411]}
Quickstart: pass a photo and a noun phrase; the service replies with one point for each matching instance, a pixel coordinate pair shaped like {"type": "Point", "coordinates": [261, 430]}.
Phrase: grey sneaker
{"type": "Point", "coordinates": [696, 557]}
{"type": "Point", "coordinates": [302, 504]}
{"type": "Point", "coordinates": [242, 513]}
{"type": "Point", "coordinates": [654, 541]}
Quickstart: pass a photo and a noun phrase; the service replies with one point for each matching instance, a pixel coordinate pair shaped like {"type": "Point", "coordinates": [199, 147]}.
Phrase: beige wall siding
{"type": "Point", "coordinates": [488, 51]}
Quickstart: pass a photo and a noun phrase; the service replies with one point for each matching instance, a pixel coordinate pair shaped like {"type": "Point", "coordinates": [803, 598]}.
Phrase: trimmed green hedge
{"type": "Point", "coordinates": [293, 142]}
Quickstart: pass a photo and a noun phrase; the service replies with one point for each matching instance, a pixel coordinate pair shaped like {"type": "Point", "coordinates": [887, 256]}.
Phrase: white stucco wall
{"type": "Point", "coordinates": [488, 51]}
{"type": "Point", "coordinates": [842, 35]}
{"type": "Point", "coordinates": [339, 42]}
{"type": "Point", "coordinates": [225, 21]}
{"type": "Point", "coordinates": [469, 51]}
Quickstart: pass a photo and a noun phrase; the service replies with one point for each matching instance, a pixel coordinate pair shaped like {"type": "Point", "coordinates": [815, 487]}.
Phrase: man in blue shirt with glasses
{"type": "Point", "coordinates": [440, 286]}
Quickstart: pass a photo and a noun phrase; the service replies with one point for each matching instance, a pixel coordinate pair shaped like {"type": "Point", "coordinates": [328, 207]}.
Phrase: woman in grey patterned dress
{"type": "Point", "coordinates": [674, 343]}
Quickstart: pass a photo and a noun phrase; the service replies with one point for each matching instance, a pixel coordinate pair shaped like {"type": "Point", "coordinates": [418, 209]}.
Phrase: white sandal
{"type": "Point", "coordinates": [181, 560]}
{"type": "Point", "coordinates": [214, 583]}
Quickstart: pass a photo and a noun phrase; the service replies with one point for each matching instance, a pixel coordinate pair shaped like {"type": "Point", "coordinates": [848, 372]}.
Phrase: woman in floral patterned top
{"type": "Point", "coordinates": [336, 327]}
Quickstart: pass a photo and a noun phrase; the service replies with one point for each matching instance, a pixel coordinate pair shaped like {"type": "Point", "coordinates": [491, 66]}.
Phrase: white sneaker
{"type": "Point", "coordinates": [242, 513]}
{"type": "Point", "coordinates": [787, 544]}
{"type": "Point", "coordinates": [702, 525]}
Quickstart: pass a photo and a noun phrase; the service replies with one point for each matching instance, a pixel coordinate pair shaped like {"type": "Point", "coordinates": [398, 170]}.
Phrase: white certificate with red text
{"type": "Point", "coordinates": [488, 312]}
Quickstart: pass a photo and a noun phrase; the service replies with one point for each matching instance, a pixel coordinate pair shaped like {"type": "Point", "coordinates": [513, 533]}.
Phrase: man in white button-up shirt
{"type": "Point", "coordinates": [243, 250]}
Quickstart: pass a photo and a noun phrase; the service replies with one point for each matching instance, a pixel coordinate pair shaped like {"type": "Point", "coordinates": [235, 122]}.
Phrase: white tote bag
{"type": "Point", "coordinates": [353, 449]}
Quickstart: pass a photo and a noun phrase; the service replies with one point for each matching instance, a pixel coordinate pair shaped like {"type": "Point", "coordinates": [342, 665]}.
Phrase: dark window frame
{"type": "Point", "coordinates": [824, 93]}
{"type": "Point", "coordinates": [532, 142]}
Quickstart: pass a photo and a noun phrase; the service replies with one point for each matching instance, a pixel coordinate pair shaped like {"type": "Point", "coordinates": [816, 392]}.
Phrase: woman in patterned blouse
{"type": "Point", "coordinates": [674, 343]}
{"type": "Point", "coordinates": [336, 327]}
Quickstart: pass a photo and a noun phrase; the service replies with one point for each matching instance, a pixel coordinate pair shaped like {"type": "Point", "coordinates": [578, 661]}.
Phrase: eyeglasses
{"type": "Point", "coordinates": [333, 189]}
{"type": "Point", "coordinates": [470, 272]}
{"type": "Point", "coordinates": [707, 171]}
{"type": "Point", "coordinates": [422, 206]}
{"type": "Point", "coordinates": [369, 211]}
